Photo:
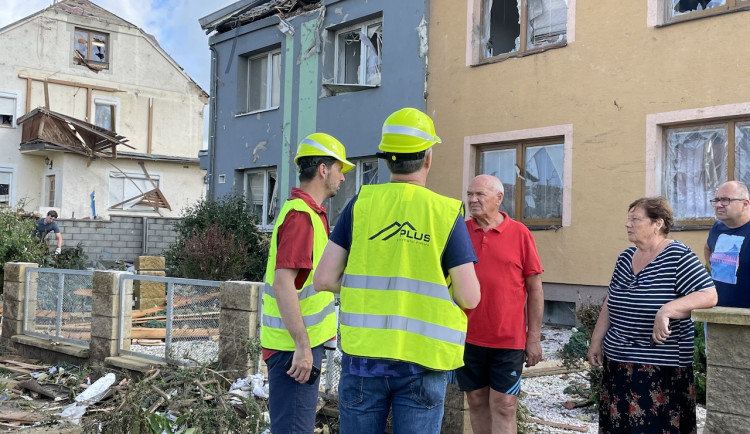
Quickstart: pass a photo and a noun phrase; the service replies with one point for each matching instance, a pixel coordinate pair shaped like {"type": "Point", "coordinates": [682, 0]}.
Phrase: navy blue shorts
{"type": "Point", "coordinates": [291, 405]}
{"type": "Point", "coordinates": [495, 367]}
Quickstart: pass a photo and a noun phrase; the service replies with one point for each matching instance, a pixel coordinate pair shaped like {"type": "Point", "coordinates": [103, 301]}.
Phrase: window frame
{"type": "Point", "coordinates": [362, 72]}
{"type": "Point", "coordinates": [263, 223]}
{"type": "Point", "coordinates": [519, 192]}
{"type": "Point", "coordinates": [272, 81]}
{"type": "Point", "coordinates": [10, 170]}
{"type": "Point", "coordinates": [90, 43]}
{"type": "Point", "coordinates": [665, 7]}
{"type": "Point", "coordinates": [50, 189]}
{"type": "Point", "coordinates": [479, 43]}
{"type": "Point", "coordinates": [14, 96]}
{"type": "Point", "coordinates": [730, 126]}
{"type": "Point", "coordinates": [114, 174]}
{"type": "Point", "coordinates": [114, 105]}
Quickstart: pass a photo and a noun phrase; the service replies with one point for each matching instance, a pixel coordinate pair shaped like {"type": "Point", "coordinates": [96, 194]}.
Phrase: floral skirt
{"type": "Point", "coordinates": [639, 398]}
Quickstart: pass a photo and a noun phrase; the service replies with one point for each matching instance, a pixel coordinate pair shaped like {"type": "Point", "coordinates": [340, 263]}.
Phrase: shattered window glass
{"type": "Point", "coordinates": [364, 173]}
{"type": "Point", "coordinates": [507, 30]}
{"type": "Point", "coordinates": [7, 110]}
{"type": "Point", "coordinates": [742, 152]}
{"type": "Point", "coordinates": [695, 166]}
{"type": "Point", "coordinates": [91, 46]}
{"type": "Point", "coordinates": [262, 195]}
{"type": "Point", "coordinates": [5, 180]}
{"type": "Point", "coordinates": [543, 183]}
{"type": "Point", "coordinates": [537, 180]}
{"type": "Point", "coordinates": [502, 164]}
{"type": "Point", "coordinates": [680, 7]}
{"type": "Point", "coordinates": [358, 54]}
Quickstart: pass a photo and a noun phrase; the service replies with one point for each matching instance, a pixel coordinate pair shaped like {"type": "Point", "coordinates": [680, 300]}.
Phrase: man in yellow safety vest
{"type": "Point", "coordinates": [402, 260]}
{"type": "Point", "coordinates": [297, 321]}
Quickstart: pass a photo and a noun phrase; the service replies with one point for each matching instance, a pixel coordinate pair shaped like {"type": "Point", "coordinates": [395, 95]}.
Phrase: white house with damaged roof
{"type": "Point", "coordinates": [95, 117]}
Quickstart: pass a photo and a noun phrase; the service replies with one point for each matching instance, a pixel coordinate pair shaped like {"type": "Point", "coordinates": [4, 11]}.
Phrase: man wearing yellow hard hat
{"type": "Point", "coordinates": [297, 321]}
{"type": "Point", "coordinates": [401, 258]}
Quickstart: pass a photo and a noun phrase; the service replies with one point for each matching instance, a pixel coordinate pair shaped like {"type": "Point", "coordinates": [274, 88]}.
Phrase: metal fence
{"type": "Point", "coordinates": [57, 304]}
{"type": "Point", "coordinates": [184, 330]}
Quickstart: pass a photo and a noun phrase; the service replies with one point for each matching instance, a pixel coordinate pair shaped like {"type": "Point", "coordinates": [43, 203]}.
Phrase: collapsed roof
{"type": "Point", "coordinates": [246, 11]}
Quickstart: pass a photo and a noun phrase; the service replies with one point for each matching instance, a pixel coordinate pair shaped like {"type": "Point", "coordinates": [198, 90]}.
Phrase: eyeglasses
{"type": "Point", "coordinates": [724, 200]}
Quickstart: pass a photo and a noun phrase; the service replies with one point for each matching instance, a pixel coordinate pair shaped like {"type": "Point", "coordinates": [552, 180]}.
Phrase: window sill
{"type": "Point", "coordinates": [687, 228]}
{"type": "Point", "coordinates": [553, 227]}
{"type": "Point", "coordinates": [697, 15]}
{"type": "Point", "coordinates": [255, 112]}
{"type": "Point", "coordinates": [335, 88]}
{"type": "Point", "coordinates": [516, 54]}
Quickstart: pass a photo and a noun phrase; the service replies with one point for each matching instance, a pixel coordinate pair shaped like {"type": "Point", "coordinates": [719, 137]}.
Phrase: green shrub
{"type": "Point", "coordinates": [70, 258]}
{"type": "Point", "coordinates": [234, 242]}
{"type": "Point", "coordinates": [699, 363]}
{"type": "Point", "coordinates": [17, 240]}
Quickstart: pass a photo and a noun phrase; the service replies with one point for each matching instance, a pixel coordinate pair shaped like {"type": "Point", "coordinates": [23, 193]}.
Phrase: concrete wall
{"type": "Point", "coordinates": [728, 373]}
{"type": "Point", "coordinates": [121, 237]}
{"type": "Point", "coordinates": [269, 138]}
{"type": "Point", "coordinates": [140, 75]}
{"type": "Point", "coordinates": [607, 92]}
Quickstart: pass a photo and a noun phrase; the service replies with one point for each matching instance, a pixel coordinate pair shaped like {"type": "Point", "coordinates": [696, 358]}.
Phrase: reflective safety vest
{"type": "Point", "coordinates": [318, 310]}
{"type": "Point", "coordinates": [396, 302]}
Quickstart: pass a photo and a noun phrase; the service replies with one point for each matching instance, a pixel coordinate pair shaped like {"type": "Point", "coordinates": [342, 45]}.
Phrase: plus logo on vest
{"type": "Point", "coordinates": [405, 232]}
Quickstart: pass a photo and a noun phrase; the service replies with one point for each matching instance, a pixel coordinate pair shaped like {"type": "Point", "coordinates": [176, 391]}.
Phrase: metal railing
{"type": "Point", "coordinates": [57, 304]}
{"type": "Point", "coordinates": [184, 330]}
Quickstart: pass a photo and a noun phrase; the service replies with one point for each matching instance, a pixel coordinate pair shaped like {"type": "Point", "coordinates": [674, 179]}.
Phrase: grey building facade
{"type": "Point", "coordinates": [284, 69]}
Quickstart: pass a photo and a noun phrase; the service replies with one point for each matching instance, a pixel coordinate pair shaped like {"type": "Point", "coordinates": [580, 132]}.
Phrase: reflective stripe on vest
{"type": "Point", "coordinates": [310, 320]}
{"type": "Point", "coordinates": [411, 325]}
{"type": "Point", "coordinates": [405, 284]}
{"type": "Point", "coordinates": [317, 309]}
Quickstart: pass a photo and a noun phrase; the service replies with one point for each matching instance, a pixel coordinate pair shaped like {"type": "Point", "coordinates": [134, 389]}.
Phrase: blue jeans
{"type": "Point", "coordinates": [291, 405]}
{"type": "Point", "coordinates": [417, 402]}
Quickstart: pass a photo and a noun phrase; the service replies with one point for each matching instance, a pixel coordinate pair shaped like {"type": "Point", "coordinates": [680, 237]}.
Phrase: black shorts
{"type": "Point", "coordinates": [495, 367]}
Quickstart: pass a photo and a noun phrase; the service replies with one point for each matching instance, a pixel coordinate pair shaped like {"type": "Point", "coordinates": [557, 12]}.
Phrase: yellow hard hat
{"type": "Point", "coordinates": [408, 131]}
{"type": "Point", "coordinates": [323, 145]}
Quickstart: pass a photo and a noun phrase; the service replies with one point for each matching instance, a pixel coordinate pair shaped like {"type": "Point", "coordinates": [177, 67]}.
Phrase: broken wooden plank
{"type": "Point", "coordinates": [559, 425]}
{"type": "Point", "coordinates": [34, 386]}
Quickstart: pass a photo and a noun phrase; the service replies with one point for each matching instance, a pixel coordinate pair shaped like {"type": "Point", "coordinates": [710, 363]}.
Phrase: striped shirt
{"type": "Point", "coordinates": [634, 300]}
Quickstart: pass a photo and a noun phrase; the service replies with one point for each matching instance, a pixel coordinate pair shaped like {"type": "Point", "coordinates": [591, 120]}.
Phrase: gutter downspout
{"type": "Point", "coordinates": [212, 126]}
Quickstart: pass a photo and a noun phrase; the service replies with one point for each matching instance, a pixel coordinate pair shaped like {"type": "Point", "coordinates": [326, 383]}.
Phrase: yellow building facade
{"type": "Point", "coordinates": [581, 108]}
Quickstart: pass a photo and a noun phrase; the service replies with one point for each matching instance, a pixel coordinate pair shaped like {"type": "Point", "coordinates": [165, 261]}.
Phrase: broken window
{"type": "Point", "coordinates": [260, 88]}
{"type": "Point", "coordinates": [677, 9]}
{"type": "Point", "coordinates": [6, 179]}
{"type": "Point", "coordinates": [698, 159]}
{"type": "Point", "coordinates": [364, 173]}
{"type": "Point", "coordinates": [124, 186]}
{"type": "Point", "coordinates": [522, 25]}
{"type": "Point", "coordinates": [104, 115]}
{"type": "Point", "coordinates": [261, 193]}
{"type": "Point", "coordinates": [90, 46]}
{"type": "Point", "coordinates": [8, 110]}
{"type": "Point", "coordinates": [532, 175]}
{"type": "Point", "coordinates": [358, 54]}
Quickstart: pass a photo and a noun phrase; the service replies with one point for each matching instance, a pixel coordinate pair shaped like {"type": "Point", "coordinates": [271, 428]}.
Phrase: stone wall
{"type": "Point", "coordinates": [120, 238]}
{"type": "Point", "coordinates": [728, 370]}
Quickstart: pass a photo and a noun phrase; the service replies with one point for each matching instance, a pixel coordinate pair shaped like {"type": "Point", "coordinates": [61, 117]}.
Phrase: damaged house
{"type": "Point", "coordinates": [96, 117]}
{"type": "Point", "coordinates": [580, 109]}
{"type": "Point", "coordinates": [283, 69]}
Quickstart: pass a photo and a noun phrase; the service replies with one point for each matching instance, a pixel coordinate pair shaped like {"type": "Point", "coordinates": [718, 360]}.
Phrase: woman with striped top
{"type": "Point", "coordinates": [644, 335]}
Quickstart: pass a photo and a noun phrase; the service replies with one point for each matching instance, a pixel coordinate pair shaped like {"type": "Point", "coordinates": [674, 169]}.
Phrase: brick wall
{"type": "Point", "coordinates": [121, 237]}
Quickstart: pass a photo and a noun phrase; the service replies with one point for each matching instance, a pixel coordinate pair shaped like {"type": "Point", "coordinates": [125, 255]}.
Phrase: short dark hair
{"type": "Point", "coordinates": [656, 208]}
{"type": "Point", "coordinates": [309, 165]}
{"type": "Point", "coordinates": [52, 213]}
{"type": "Point", "coordinates": [405, 167]}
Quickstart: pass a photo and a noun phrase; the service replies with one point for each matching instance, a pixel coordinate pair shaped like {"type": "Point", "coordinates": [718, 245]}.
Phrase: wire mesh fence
{"type": "Point", "coordinates": [57, 304]}
{"type": "Point", "coordinates": [330, 382]}
{"type": "Point", "coordinates": [182, 327]}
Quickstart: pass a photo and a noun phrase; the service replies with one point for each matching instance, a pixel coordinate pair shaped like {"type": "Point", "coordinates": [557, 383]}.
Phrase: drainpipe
{"type": "Point", "coordinates": [212, 126]}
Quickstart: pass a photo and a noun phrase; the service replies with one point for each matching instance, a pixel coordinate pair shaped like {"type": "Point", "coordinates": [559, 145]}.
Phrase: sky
{"type": "Point", "coordinates": [174, 23]}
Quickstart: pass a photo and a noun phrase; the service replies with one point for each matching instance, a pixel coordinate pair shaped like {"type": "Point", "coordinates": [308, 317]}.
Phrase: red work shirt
{"type": "Point", "coordinates": [294, 240]}
{"type": "Point", "coordinates": [507, 256]}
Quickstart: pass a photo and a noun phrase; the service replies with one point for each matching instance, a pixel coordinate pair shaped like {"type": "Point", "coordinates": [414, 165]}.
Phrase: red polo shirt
{"type": "Point", "coordinates": [507, 256]}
